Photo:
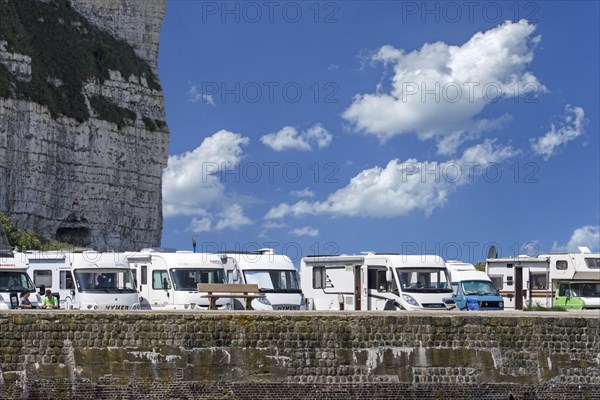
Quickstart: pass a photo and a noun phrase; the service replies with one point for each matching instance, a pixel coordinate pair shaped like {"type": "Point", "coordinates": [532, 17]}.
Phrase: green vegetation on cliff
{"type": "Point", "coordinates": [66, 51]}
{"type": "Point", "coordinates": [28, 240]}
{"type": "Point", "coordinates": [111, 112]}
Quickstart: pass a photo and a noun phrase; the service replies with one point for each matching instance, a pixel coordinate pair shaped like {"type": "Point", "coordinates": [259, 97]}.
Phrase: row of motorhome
{"type": "Point", "coordinates": [165, 279]}
{"type": "Point", "coordinates": [159, 279]}
{"type": "Point", "coordinates": [568, 280]}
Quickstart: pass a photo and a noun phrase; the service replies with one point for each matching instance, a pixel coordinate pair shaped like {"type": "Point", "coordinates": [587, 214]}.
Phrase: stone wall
{"type": "Point", "coordinates": [298, 355]}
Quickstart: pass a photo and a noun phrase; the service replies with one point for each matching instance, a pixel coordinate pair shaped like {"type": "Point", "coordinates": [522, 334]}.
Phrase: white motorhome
{"type": "Point", "coordinates": [376, 281]}
{"type": "Point", "coordinates": [14, 280]}
{"type": "Point", "coordinates": [167, 279]}
{"type": "Point", "coordinates": [13, 276]}
{"type": "Point", "coordinates": [85, 280]}
{"type": "Point", "coordinates": [274, 274]}
{"type": "Point", "coordinates": [470, 285]}
{"type": "Point", "coordinates": [569, 280]}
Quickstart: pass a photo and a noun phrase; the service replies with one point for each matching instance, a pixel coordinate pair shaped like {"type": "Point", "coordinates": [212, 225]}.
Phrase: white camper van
{"type": "Point", "coordinates": [274, 274]}
{"type": "Point", "coordinates": [14, 280]}
{"type": "Point", "coordinates": [470, 285]}
{"type": "Point", "coordinates": [85, 280]}
{"type": "Point", "coordinates": [569, 280]}
{"type": "Point", "coordinates": [167, 279]}
{"type": "Point", "coordinates": [375, 281]}
{"type": "Point", "coordinates": [13, 276]}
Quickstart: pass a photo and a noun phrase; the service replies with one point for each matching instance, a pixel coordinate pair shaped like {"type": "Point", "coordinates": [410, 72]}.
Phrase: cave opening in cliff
{"type": "Point", "coordinates": [77, 236]}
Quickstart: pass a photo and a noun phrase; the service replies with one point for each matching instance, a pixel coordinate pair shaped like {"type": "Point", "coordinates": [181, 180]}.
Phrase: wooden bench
{"type": "Point", "coordinates": [230, 290]}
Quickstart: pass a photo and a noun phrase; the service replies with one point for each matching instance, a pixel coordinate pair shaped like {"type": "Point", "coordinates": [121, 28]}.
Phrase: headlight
{"type": "Point", "coordinates": [135, 307]}
{"type": "Point", "coordinates": [264, 300]}
{"type": "Point", "coordinates": [410, 300]}
{"type": "Point", "coordinates": [501, 305]}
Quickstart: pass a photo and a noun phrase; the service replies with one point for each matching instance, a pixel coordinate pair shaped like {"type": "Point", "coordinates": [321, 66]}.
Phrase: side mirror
{"type": "Point", "coordinates": [43, 290]}
{"type": "Point", "coordinates": [388, 276]}
{"type": "Point", "coordinates": [235, 275]}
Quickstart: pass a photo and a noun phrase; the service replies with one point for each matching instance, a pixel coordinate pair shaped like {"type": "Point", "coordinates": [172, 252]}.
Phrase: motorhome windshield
{"type": "Point", "coordinates": [110, 280]}
{"type": "Point", "coordinates": [274, 281]}
{"type": "Point", "coordinates": [12, 281]}
{"type": "Point", "coordinates": [424, 280]}
{"type": "Point", "coordinates": [479, 288]}
{"type": "Point", "coordinates": [188, 279]}
{"type": "Point", "coordinates": [585, 289]}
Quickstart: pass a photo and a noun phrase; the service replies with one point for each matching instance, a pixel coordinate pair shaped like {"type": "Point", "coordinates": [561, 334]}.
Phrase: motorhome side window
{"type": "Point", "coordinates": [377, 280]}
{"type": "Point", "coordinates": [319, 277]}
{"type": "Point", "coordinates": [539, 281]}
{"type": "Point", "coordinates": [562, 264]}
{"type": "Point", "coordinates": [593, 263]}
{"type": "Point", "coordinates": [160, 279]}
{"type": "Point", "coordinates": [66, 280]}
{"type": "Point", "coordinates": [497, 282]}
{"type": "Point", "coordinates": [144, 275]}
{"type": "Point", "coordinates": [42, 277]}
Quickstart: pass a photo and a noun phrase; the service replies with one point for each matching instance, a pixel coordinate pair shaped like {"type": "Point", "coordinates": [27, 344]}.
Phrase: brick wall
{"type": "Point", "coordinates": [344, 355]}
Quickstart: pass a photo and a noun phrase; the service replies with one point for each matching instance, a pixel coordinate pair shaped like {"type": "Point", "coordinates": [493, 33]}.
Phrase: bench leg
{"type": "Point", "coordinates": [249, 304]}
{"type": "Point", "coordinates": [213, 303]}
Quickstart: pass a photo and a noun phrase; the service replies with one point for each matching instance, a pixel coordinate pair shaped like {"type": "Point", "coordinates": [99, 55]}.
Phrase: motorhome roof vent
{"type": "Point", "coordinates": [584, 250]}
{"type": "Point", "coordinates": [266, 251]}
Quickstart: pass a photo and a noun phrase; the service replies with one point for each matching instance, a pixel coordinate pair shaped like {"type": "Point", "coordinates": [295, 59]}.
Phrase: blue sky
{"type": "Point", "coordinates": [340, 127]}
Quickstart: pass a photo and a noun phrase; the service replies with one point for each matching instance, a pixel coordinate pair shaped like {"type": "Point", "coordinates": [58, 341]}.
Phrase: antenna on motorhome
{"type": "Point", "coordinates": [584, 250]}
{"type": "Point", "coordinates": [492, 252]}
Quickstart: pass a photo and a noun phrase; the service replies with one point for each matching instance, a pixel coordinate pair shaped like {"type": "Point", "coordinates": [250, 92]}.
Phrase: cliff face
{"type": "Point", "coordinates": [82, 134]}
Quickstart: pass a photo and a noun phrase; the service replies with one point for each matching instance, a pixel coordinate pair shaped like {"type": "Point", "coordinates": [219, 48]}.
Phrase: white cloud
{"type": "Point", "coordinates": [232, 217]}
{"type": "Point", "coordinates": [400, 187]}
{"type": "Point", "coordinates": [306, 192]}
{"type": "Point", "coordinates": [571, 127]}
{"type": "Point", "coordinates": [588, 236]}
{"type": "Point", "coordinates": [200, 225]}
{"type": "Point", "coordinates": [305, 231]}
{"type": "Point", "coordinates": [438, 91]}
{"type": "Point", "coordinates": [194, 95]}
{"type": "Point", "coordinates": [190, 184]}
{"type": "Point", "coordinates": [273, 225]}
{"type": "Point", "coordinates": [192, 187]}
{"type": "Point", "coordinates": [290, 138]}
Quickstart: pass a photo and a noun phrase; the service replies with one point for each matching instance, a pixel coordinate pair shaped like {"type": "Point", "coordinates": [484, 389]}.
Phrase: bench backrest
{"type": "Point", "coordinates": [228, 288]}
